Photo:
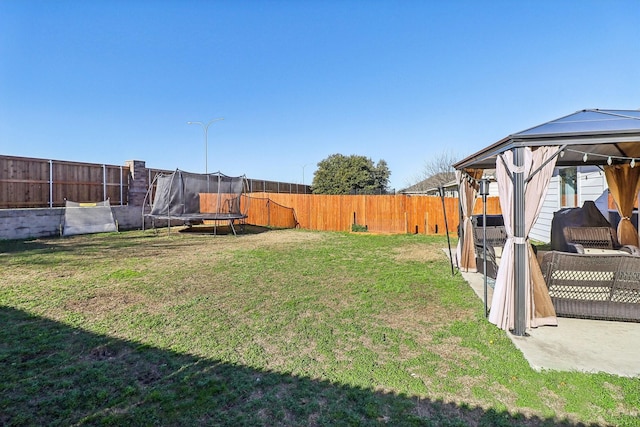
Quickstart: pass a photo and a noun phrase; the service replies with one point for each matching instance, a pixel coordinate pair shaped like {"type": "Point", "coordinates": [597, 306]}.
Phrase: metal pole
{"type": "Point", "coordinates": [304, 166]}
{"type": "Point", "coordinates": [104, 182]}
{"type": "Point", "coordinates": [484, 190]}
{"type": "Point", "coordinates": [121, 189]}
{"type": "Point", "coordinates": [520, 254]}
{"type": "Point", "coordinates": [50, 183]}
{"type": "Point", "coordinates": [446, 227]}
{"type": "Point", "coordinates": [205, 128]}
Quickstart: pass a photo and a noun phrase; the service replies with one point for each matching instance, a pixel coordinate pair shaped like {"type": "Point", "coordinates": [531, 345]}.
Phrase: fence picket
{"type": "Point", "coordinates": [381, 214]}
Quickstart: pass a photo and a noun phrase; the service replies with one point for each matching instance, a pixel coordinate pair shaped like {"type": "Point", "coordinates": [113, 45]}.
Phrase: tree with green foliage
{"type": "Point", "coordinates": [339, 174]}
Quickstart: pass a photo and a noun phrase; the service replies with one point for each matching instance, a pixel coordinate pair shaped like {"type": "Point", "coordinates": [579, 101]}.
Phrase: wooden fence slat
{"type": "Point", "coordinates": [24, 182]}
{"type": "Point", "coordinates": [381, 214]}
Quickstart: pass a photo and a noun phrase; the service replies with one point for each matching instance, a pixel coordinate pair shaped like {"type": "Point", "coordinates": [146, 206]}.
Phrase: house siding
{"type": "Point", "coordinates": [591, 184]}
{"type": "Point", "coordinates": [541, 230]}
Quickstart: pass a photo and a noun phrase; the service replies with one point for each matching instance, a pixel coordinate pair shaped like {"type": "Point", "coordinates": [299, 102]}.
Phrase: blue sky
{"type": "Point", "coordinates": [296, 81]}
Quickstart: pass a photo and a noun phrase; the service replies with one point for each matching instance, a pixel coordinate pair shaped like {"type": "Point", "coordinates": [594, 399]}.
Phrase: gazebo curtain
{"type": "Point", "coordinates": [624, 184]}
{"type": "Point", "coordinates": [503, 303]}
{"type": "Point", "coordinates": [468, 190]}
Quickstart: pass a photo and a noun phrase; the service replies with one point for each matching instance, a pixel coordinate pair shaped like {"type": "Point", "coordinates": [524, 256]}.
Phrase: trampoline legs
{"type": "Point", "coordinates": [232, 227]}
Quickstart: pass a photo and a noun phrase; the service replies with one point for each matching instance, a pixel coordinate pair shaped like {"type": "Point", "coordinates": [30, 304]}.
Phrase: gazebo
{"type": "Point", "coordinates": [524, 164]}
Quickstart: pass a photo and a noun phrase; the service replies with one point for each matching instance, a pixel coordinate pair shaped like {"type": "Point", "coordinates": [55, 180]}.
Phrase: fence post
{"type": "Point", "coordinates": [50, 183]}
{"type": "Point", "coordinates": [104, 182]}
{"type": "Point", "coordinates": [121, 188]}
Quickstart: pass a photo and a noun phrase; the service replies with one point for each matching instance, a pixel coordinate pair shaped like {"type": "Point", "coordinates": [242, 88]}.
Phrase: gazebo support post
{"type": "Point", "coordinates": [520, 247]}
{"type": "Point", "coordinates": [484, 191]}
{"type": "Point", "coordinates": [446, 227]}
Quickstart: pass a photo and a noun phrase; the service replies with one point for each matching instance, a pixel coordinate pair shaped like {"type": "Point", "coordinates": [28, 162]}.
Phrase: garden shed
{"type": "Point", "coordinates": [524, 163]}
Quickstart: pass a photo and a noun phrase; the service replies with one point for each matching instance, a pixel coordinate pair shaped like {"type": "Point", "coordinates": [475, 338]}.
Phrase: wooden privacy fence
{"type": "Point", "coordinates": [382, 214]}
{"type": "Point", "coordinates": [27, 182]}
{"type": "Point", "coordinates": [34, 183]}
{"type": "Point", "coordinates": [262, 186]}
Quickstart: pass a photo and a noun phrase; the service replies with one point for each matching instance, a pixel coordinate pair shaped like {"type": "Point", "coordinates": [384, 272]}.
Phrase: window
{"type": "Point", "coordinates": [568, 187]}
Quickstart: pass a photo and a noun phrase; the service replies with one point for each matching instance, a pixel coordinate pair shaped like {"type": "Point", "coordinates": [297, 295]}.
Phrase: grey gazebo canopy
{"type": "Point", "coordinates": [608, 138]}
{"type": "Point", "coordinates": [599, 133]}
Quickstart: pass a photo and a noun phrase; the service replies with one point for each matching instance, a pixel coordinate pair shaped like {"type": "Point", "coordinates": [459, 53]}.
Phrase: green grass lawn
{"type": "Point", "coordinates": [283, 327]}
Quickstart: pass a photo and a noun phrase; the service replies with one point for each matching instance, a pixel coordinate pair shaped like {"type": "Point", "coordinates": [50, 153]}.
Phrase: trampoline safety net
{"type": "Point", "coordinates": [190, 196]}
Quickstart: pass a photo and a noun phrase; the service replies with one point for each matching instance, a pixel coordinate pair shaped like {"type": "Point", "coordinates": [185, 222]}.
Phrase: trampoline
{"type": "Point", "coordinates": [193, 198]}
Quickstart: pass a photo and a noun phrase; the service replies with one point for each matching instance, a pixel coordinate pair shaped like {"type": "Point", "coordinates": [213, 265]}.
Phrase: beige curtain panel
{"type": "Point", "coordinates": [624, 185]}
{"type": "Point", "coordinates": [503, 303]}
{"type": "Point", "coordinates": [468, 191]}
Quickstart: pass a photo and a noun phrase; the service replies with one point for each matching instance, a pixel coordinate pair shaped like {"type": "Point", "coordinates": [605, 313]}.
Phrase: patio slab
{"type": "Point", "coordinates": [576, 344]}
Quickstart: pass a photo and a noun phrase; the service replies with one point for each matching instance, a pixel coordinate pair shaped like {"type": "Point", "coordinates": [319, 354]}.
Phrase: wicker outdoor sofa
{"type": "Point", "coordinates": [603, 286]}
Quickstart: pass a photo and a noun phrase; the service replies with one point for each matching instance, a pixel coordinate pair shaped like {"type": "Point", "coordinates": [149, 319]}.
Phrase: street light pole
{"type": "Point", "coordinates": [303, 166]}
{"type": "Point", "coordinates": [205, 128]}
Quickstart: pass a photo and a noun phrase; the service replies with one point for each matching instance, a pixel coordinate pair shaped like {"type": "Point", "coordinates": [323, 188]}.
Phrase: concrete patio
{"type": "Point", "coordinates": [576, 344]}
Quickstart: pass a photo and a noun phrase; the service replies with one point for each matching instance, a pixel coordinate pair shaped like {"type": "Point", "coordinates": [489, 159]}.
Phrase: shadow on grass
{"type": "Point", "coordinates": [68, 243]}
{"type": "Point", "coordinates": [103, 245]}
{"type": "Point", "coordinates": [16, 246]}
{"type": "Point", "coordinates": [224, 230]}
{"type": "Point", "coordinates": [53, 374]}
{"type": "Point", "coordinates": [39, 251]}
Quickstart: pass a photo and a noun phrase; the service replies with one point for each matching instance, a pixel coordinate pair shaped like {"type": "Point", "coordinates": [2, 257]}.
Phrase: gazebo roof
{"type": "Point", "coordinates": [600, 134]}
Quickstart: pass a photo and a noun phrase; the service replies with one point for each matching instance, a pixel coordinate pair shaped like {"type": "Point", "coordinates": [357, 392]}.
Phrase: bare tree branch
{"type": "Point", "coordinates": [436, 171]}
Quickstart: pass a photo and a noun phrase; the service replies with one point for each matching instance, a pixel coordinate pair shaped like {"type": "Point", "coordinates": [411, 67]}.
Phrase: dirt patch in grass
{"type": "Point", "coordinates": [162, 243]}
{"type": "Point", "coordinates": [423, 318]}
{"type": "Point", "coordinates": [450, 349]}
{"type": "Point", "coordinates": [419, 253]}
{"type": "Point", "coordinates": [104, 302]}
{"type": "Point", "coordinates": [253, 240]}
